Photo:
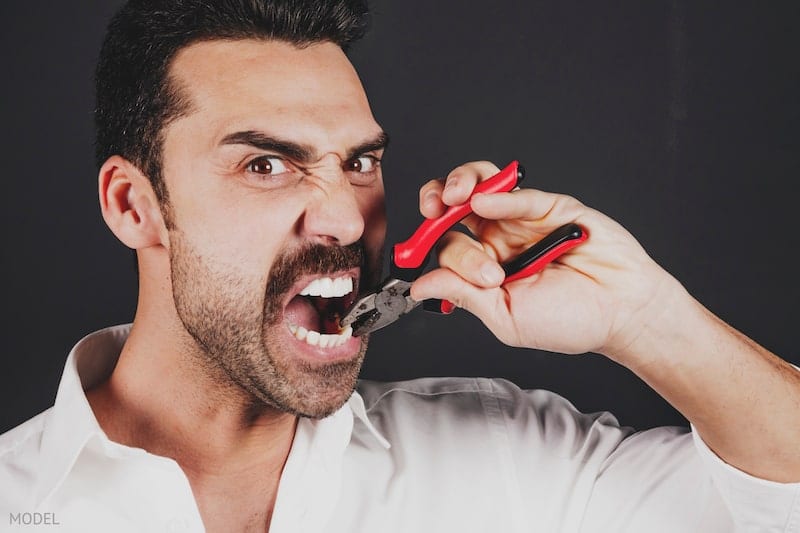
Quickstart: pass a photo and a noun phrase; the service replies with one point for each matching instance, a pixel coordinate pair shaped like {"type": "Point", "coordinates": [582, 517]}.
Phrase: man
{"type": "Point", "coordinates": [240, 159]}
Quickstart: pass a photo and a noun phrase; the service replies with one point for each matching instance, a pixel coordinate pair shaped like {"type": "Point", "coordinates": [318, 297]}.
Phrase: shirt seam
{"type": "Point", "coordinates": [491, 402]}
{"type": "Point", "coordinates": [428, 394]}
{"type": "Point", "coordinates": [15, 445]}
{"type": "Point", "coordinates": [793, 525]}
{"type": "Point", "coordinates": [42, 498]}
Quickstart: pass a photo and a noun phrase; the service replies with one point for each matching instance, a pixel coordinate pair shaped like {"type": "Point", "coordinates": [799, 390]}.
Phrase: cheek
{"type": "Point", "coordinates": [373, 209]}
{"type": "Point", "coordinates": [246, 237]}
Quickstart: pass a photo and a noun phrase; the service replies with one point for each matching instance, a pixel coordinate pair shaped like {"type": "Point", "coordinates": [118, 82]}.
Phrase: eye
{"type": "Point", "coordinates": [267, 165]}
{"type": "Point", "coordinates": [363, 164]}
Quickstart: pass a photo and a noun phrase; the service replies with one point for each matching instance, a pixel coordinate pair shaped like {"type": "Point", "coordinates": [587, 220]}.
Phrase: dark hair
{"type": "Point", "coordinates": [135, 97]}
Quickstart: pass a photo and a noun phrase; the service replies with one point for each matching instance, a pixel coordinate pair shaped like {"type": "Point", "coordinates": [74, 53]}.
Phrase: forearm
{"type": "Point", "coordinates": [743, 400]}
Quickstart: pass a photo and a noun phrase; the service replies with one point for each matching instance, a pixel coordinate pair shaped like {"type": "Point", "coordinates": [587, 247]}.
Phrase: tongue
{"type": "Point", "coordinates": [317, 316]}
{"type": "Point", "coordinates": [300, 312]}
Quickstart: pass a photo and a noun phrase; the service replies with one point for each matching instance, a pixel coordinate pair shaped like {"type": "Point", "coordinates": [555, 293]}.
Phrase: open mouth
{"type": "Point", "coordinates": [313, 314]}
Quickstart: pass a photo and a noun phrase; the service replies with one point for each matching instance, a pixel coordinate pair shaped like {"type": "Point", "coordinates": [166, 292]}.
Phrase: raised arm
{"type": "Point", "coordinates": [608, 296]}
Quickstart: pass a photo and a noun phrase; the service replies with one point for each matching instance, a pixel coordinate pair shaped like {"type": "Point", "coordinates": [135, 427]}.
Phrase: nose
{"type": "Point", "coordinates": [332, 215]}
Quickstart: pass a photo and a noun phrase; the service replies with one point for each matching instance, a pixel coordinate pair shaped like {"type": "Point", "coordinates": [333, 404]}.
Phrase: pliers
{"type": "Point", "coordinates": [392, 298]}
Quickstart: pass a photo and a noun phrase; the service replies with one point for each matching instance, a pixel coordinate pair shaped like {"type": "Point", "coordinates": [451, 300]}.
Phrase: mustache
{"type": "Point", "coordinates": [312, 259]}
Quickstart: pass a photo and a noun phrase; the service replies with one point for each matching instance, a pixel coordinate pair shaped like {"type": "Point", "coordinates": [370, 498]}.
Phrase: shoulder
{"type": "Point", "coordinates": [376, 392]}
{"type": "Point", "coordinates": [20, 459]}
{"type": "Point", "coordinates": [421, 395]}
{"type": "Point", "coordinates": [483, 406]}
{"type": "Point", "coordinates": [490, 393]}
{"type": "Point", "coordinates": [24, 436]}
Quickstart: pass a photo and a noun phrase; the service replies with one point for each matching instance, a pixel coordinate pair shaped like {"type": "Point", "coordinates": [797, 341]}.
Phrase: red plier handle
{"type": "Point", "coordinates": [409, 257]}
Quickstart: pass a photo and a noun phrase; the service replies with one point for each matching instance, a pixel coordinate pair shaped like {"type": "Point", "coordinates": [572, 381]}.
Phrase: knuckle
{"type": "Point", "coordinates": [430, 185]}
{"type": "Point", "coordinates": [471, 257]}
{"type": "Point", "coordinates": [456, 250]}
{"type": "Point", "coordinates": [569, 204]}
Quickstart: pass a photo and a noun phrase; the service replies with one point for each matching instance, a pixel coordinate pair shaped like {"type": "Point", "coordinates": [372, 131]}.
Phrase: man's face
{"type": "Point", "coordinates": [275, 195]}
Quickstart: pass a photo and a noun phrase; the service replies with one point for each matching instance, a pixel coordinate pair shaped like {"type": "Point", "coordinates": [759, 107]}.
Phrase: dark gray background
{"type": "Point", "coordinates": [679, 119]}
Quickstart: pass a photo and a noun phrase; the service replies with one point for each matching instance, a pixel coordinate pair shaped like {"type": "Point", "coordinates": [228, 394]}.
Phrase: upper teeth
{"type": "Point", "coordinates": [329, 288]}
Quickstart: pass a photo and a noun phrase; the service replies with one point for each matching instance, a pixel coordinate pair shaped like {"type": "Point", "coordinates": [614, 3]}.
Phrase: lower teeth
{"type": "Point", "coordinates": [323, 340]}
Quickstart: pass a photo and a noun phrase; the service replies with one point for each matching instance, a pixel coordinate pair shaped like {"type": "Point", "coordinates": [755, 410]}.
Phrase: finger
{"type": "Point", "coordinates": [527, 204]}
{"type": "Point", "coordinates": [460, 183]}
{"type": "Point", "coordinates": [488, 304]}
{"type": "Point", "coordinates": [467, 258]}
{"type": "Point", "coordinates": [430, 199]}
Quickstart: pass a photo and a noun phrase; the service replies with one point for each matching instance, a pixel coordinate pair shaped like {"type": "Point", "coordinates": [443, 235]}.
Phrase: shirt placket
{"type": "Point", "coordinates": [310, 484]}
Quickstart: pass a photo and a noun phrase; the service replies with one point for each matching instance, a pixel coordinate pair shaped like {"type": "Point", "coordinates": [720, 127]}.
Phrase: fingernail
{"type": "Point", "coordinates": [492, 273]}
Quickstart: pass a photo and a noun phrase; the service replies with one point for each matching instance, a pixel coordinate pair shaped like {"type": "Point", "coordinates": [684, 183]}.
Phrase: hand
{"type": "Point", "coordinates": [598, 297]}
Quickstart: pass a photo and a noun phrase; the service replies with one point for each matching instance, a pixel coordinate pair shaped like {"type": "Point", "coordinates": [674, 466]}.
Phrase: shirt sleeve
{"type": "Point", "coordinates": [755, 504]}
{"type": "Point", "coordinates": [608, 478]}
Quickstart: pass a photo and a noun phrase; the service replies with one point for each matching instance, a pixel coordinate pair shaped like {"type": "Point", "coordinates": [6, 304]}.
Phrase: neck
{"type": "Point", "coordinates": [163, 401]}
{"type": "Point", "coordinates": [231, 450]}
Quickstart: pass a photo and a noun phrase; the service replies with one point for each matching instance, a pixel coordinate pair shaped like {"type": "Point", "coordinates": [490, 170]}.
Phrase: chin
{"type": "Point", "coordinates": [312, 385]}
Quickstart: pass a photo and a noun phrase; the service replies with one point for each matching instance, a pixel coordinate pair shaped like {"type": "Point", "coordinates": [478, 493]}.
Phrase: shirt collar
{"type": "Point", "coordinates": [359, 410]}
{"type": "Point", "coordinates": [71, 423]}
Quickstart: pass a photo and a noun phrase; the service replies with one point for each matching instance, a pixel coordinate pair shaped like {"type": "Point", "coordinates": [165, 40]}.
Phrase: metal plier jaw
{"type": "Point", "coordinates": [392, 298]}
{"type": "Point", "coordinates": [380, 308]}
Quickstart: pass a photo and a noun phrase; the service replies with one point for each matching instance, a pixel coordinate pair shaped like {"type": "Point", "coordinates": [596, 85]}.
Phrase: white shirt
{"type": "Point", "coordinates": [427, 455]}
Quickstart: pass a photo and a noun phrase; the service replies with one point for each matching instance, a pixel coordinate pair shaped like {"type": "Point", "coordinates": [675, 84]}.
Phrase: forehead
{"type": "Point", "coordinates": [266, 84]}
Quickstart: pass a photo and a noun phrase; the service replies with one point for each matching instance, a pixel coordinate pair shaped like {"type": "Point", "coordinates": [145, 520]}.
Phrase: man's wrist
{"type": "Point", "coordinates": [663, 331]}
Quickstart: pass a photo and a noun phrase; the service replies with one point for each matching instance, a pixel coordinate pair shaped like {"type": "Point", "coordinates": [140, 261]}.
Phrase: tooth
{"type": "Point", "coordinates": [315, 288]}
{"type": "Point", "coordinates": [347, 285]}
{"type": "Point", "coordinates": [311, 289]}
{"type": "Point", "coordinates": [313, 338]}
{"type": "Point", "coordinates": [339, 286]}
{"type": "Point", "coordinates": [325, 341]}
{"type": "Point", "coordinates": [328, 288]}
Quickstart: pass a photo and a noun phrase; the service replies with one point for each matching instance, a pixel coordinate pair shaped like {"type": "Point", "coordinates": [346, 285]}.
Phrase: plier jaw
{"type": "Point", "coordinates": [392, 299]}
{"type": "Point", "coordinates": [380, 308]}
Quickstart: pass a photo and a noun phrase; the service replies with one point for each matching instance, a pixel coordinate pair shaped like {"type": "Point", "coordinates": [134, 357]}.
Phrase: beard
{"type": "Point", "coordinates": [236, 327]}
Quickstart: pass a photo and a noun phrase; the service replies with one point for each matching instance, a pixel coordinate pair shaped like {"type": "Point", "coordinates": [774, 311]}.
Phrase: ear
{"type": "Point", "coordinates": [129, 204]}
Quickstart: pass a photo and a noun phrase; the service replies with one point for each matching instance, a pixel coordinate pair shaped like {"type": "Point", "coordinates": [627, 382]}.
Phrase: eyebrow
{"type": "Point", "coordinates": [380, 142]}
{"type": "Point", "coordinates": [302, 153]}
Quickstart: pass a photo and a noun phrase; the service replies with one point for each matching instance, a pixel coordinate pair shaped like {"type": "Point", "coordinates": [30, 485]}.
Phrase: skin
{"type": "Point", "coordinates": [744, 401]}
